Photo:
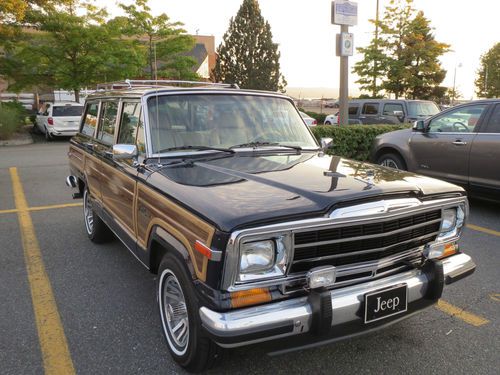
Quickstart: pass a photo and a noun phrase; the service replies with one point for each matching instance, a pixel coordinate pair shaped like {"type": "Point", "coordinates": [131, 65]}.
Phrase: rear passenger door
{"type": "Point", "coordinates": [369, 113]}
{"type": "Point", "coordinates": [484, 168]}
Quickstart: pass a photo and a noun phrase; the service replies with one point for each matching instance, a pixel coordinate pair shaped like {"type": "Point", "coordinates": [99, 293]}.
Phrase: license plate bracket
{"type": "Point", "coordinates": [384, 303]}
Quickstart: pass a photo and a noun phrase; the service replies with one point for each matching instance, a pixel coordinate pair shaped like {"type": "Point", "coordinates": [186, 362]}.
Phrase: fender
{"type": "Point", "coordinates": [170, 243]}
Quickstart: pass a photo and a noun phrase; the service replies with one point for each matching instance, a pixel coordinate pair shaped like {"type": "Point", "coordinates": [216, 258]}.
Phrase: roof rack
{"type": "Point", "coordinates": [152, 83]}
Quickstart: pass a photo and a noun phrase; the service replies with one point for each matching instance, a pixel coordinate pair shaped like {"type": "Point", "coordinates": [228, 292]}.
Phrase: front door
{"type": "Point", "coordinates": [443, 150]}
{"type": "Point", "coordinates": [484, 156]}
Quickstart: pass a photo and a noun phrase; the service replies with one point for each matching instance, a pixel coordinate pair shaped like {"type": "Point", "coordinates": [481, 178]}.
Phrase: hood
{"type": "Point", "coordinates": [244, 189]}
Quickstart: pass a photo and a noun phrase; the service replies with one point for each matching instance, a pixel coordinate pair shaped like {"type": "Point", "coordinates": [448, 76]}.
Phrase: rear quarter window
{"type": "Point", "coordinates": [90, 119]}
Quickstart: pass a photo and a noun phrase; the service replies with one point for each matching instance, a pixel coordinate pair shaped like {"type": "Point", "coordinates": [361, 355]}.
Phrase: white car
{"type": "Point", "coordinates": [332, 119]}
{"type": "Point", "coordinates": [308, 119]}
{"type": "Point", "coordinates": [59, 119]}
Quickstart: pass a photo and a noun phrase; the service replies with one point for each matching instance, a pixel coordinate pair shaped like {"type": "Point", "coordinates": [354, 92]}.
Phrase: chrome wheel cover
{"type": "Point", "coordinates": [88, 213]}
{"type": "Point", "coordinates": [174, 313]}
{"type": "Point", "coordinates": [390, 163]}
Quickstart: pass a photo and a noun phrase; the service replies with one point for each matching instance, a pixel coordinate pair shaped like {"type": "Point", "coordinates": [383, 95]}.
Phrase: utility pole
{"type": "Point", "coordinates": [345, 14]}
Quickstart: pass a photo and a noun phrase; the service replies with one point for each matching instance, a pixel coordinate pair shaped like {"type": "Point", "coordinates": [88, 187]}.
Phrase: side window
{"type": "Point", "coordinates": [494, 123]}
{"type": "Point", "coordinates": [131, 126]}
{"type": "Point", "coordinates": [370, 109]}
{"type": "Point", "coordinates": [107, 122]}
{"type": "Point", "coordinates": [353, 110]}
{"type": "Point", "coordinates": [90, 119]}
{"type": "Point", "coordinates": [460, 120]}
{"type": "Point", "coordinates": [390, 108]}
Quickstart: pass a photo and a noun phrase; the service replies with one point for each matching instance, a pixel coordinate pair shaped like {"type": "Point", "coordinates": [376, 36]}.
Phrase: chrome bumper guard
{"type": "Point", "coordinates": [293, 317]}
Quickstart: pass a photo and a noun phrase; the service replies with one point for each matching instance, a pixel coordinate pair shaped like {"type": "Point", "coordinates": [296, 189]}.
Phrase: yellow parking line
{"type": "Point", "coordinates": [484, 230]}
{"type": "Point", "coordinates": [461, 314]}
{"type": "Point", "coordinates": [41, 208]}
{"type": "Point", "coordinates": [53, 344]}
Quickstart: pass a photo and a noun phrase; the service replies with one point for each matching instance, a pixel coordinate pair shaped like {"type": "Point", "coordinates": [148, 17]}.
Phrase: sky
{"type": "Point", "coordinates": [306, 37]}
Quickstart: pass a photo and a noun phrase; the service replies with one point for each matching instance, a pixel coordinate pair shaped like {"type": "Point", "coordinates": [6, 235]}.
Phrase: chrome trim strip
{"type": "Point", "coordinates": [346, 302]}
{"type": "Point", "coordinates": [367, 237]}
{"type": "Point", "coordinates": [334, 256]}
{"type": "Point", "coordinates": [325, 222]}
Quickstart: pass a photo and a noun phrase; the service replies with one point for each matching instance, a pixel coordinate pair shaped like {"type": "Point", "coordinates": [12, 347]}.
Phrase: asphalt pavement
{"type": "Point", "coordinates": [105, 299]}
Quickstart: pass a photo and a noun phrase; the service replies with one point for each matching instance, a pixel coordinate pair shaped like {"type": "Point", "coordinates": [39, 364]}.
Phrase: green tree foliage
{"type": "Point", "coordinates": [405, 57]}
{"type": "Point", "coordinates": [488, 77]}
{"type": "Point", "coordinates": [164, 40]}
{"type": "Point", "coordinates": [247, 55]}
{"type": "Point", "coordinates": [69, 51]}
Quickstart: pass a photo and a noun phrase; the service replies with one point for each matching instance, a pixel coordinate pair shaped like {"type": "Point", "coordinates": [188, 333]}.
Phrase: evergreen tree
{"type": "Point", "coordinates": [488, 76]}
{"type": "Point", "coordinates": [420, 54]}
{"type": "Point", "coordinates": [247, 56]}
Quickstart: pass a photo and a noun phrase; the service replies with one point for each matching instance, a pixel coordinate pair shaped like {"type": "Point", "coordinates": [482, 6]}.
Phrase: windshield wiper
{"type": "Point", "coordinates": [196, 148]}
{"type": "Point", "coordinates": [260, 144]}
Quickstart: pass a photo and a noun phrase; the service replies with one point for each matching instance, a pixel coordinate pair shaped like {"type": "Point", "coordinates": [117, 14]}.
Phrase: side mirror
{"type": "Point", "coordinates": [326, 143]}
{"type": "Point", "coordinates": [125, 152]}
{"type": "Point", "coordinates": [419, 126]}
{"type": "Point", "coordinates": [399, 114]}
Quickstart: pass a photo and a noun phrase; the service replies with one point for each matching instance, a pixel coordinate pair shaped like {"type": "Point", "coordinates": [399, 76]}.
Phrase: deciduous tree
{"type": "Point", "coordinates": [247, 55]}
{"type": "Point", "coordinates": [488, 77]}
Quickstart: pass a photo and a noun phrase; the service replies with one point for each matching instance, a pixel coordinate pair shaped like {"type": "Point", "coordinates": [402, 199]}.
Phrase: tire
{"type": "Point", "coordinates": [96, 229]}
{"type": "Point", "coordinates": [328, 123]}
{"type": "Point", "coordinates": [392, 160]}
{"type": "Point", "coordinates": [181, 323]}
{"type": "Point", "coordinates": [48, 137]}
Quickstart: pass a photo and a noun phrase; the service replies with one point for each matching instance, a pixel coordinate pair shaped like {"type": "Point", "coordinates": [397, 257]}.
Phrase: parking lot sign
{"type": "Point", "coordinates": [344, 12]}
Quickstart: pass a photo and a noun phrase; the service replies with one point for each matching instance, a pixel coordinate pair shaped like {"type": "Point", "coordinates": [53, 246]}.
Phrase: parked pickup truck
{"type": "Point", "coordinates": [255, 233]}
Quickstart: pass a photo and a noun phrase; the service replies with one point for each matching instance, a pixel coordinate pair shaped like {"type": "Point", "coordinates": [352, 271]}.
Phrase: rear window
{"type": "Point", "coordinates": [67, 110]}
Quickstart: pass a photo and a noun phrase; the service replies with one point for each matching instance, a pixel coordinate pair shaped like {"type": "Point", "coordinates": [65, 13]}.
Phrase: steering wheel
{"type": "Point", "coordinates": [460, 124]}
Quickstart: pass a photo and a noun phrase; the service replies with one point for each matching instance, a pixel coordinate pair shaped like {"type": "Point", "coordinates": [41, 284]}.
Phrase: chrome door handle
{"type": "Point", "coordinates": [459, 143]}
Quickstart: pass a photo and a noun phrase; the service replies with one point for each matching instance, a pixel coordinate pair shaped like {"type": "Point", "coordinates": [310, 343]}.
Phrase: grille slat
{"type": "Point", "coordinates": [346, 245]}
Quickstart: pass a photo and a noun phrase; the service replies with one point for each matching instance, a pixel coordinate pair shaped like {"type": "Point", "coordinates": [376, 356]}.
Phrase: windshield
{"type": "Point", "coordinates": [223, 121]}
{"type": "Point", "coordinates": [416, 109]}
{"type": "Point", "coordinates": [67, 110]}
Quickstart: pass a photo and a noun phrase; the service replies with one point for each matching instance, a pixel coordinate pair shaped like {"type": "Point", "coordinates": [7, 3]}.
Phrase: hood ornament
{"type": "Point", "coordinates": [368, 179]}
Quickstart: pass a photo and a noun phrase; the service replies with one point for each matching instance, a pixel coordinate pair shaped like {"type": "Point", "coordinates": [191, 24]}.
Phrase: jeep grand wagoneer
{"type": "Point", "coordinates": [255, 233]}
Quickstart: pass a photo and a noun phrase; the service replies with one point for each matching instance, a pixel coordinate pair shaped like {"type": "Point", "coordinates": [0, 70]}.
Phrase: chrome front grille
{"type": "Point", "coordinates": [352, 244]}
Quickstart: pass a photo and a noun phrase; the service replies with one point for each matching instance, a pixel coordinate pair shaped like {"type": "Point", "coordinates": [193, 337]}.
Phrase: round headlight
{"type": "Point", "coordinates": [449, 219]}
{"type": "Point", "coordinates": [257, 256]}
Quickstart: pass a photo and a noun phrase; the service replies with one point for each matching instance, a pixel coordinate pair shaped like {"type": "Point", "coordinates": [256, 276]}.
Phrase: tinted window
{"type": "Point", "coordinates": [390, 108]}
{"type": "Point", "coordinates": [131, 128]}
{"type": "Point", "coordinates": [494, 123]}
{"type": "Point", "coordinates": [90, 119]}
{"type": "Point", "coordinates": [67, 110]}
{"type": "Point", "coordinates": [462, 120]}
{"type": "Point", "coordinates": [370, 109]}
{"type": "Point", "coordinates": [353, 109]}
{"type": "Point", "coordinates": [107, 122]}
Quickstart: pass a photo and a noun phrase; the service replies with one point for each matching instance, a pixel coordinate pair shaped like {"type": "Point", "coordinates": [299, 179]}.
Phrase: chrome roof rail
{"type": "Point", "coordinates": [153, 83]}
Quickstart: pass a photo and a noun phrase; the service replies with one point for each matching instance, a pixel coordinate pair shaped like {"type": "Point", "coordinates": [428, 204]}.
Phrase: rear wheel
{"type": "Point", "coordinates": [178, 306]}
{"type": "Point", "coordinates": [328, 123]}
{"type": "Point", "coordinates": [96, 229]}
{"type": "Point", "coordinates": [48, 136]}
{"type": "Point", "coordinates": [392, 161]}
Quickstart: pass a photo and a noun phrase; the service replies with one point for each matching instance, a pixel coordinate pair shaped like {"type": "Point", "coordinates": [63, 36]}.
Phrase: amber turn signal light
{"type": "Point", "coordinates": [449, 249]}
{"type": "Point", "coordinates": [250, 297]}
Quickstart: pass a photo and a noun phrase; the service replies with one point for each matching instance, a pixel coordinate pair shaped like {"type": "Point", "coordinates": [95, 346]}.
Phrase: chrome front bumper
{"type": "Point", "coordinates": [294, 317]}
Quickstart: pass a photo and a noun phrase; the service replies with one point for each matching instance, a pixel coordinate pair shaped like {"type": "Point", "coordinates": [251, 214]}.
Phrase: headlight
{"type": "Point", "coordinates": [264, 258]}
{"type": "Point", "coordinates": [453, 220]}
{"type": "Point", "coordinates": [257, 256]}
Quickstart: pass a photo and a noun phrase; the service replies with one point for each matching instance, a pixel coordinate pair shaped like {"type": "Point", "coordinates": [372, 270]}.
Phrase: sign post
{"type": "Point", "coordinates": [345, 14]}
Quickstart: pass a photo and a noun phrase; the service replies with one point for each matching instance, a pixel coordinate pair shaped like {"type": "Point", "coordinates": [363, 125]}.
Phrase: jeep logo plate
{"type": "Point", "coordinates": [384, 303]}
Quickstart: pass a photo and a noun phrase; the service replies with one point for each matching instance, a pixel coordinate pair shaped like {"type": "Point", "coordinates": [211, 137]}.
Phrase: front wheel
{"type": "Point", "coordinates": [328, 123]}
{"type": "Point", "coordinates": [178, 306]}
{"type": "Point", "coordinates": [392, 161]}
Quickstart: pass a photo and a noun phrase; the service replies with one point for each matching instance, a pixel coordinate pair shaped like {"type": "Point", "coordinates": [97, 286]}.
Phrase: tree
{"type": "Point", "coordinates": [371, 68]}
{"type": "Point", "coordinates": [165, 41]}
{"type": "Point", "coordinates": [247, 55]}
{"type": "Point", "coordinates": [420, 54]}
{"type": "Point", "coordinates": [69, 51]}
{"type": "Point", "coordinates": [488, 77]}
